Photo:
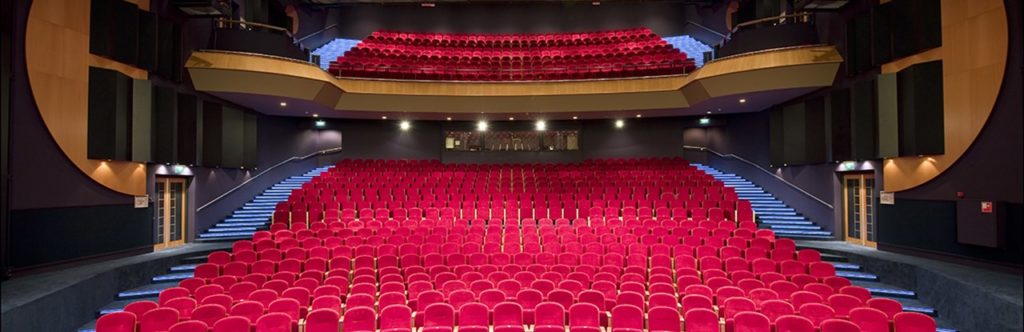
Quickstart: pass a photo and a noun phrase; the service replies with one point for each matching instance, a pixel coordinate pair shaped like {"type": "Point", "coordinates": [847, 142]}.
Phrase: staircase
{"type": "Point", "coordinates": [255, 214]}
{"type": "Point", "coordinates": [870, 281]}
{"type": "Point", "coordinates": [184, 269]}
{"type": "Point", "coordinates": [770, 212]}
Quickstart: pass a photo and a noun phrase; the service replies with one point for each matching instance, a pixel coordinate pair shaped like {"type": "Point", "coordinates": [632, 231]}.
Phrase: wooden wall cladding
{"type": "Point", "coordinates": [921, 109]}
{"type": "Point", "coordinates": [110, 115]}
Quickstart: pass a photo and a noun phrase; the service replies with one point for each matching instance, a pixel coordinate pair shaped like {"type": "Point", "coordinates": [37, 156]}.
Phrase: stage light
{"type": "Point", "coordinates": [743, 100]}
{"type": "Point", "coordinates": [385, 117]}
{"type": "Point", "coordinates": [620, 123]}
{"type": "Point", "coordinates": [404, 125]}
{"type": "Point", "coordinates": [541, 125]}
{"type": "Point", "coordinates": [320, 123]}
{"type": "Point", "coordinates": [481, 125]}
{"type": "Point", "coordinates": [705, 121]}
{"type": "Point", "coordinates": [283, 104]}
{"type": "Point", "coordinates": [639, 116]}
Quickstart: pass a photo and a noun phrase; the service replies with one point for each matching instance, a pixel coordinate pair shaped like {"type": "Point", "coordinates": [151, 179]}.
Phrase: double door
{"type": "Point", "coordinates": [171, 223]}
{"type": "Point", "coordinates": [859, 203]}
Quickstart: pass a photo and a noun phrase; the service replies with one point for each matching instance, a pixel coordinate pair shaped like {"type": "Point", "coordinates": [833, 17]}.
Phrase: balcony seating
{"type": "Point", "coordinates": [504, 247]}
{"type": "Point", "coordinates": [512, 57]}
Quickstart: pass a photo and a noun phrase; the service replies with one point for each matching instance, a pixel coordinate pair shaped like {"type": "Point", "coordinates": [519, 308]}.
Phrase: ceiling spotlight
{"type": "Point", "coordinates": [385, 117]}
{"type": "Point", "coordinates": [709, 112]}
{"type": "Point", "coordinates": [705, 121]}
{"type": "Point", "coordinates": [283, 104]}
{"type": "Point", "coordinates": [743, 100]}
{"type": "Point", "coordinates": [320, 123]}
{"type": "Point", "coordinates": [481, 125]}
{"type": "Point", "coordinates": [541, 125]}
{"type": "Point", "coordinates": [316, 115]}
{"type": "Point", "coordinates": [511, 118]}
{"type": "Point", "coordinates": [448, 118]}
{"type": "Point", "coordinates": [575, 117]}
{"type": "Point", "coordinates": [620, 123]}
{"type": "Point", "coordinates": [404, 125]}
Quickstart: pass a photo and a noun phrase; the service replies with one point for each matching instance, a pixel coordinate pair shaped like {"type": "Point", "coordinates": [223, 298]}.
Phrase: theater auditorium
{"type": "Point", "coordinates": [512, 166]}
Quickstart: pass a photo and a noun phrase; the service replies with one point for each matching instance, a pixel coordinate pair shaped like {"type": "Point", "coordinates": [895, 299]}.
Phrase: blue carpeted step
{"type": "Point", "coordinates": [780, 217]}
{"type": "Point", "coordinates": [776, 213]}
{"type": "Point", "coordinates": [245, 219]}
{"type": "Point", "coordinates": [258, 208]}
{"type": "Point", "coordinates": [801, 232]}
{"type": "Point", "coordinates": [795, 227]}
{"type": "Point", "coordinates": [198, 259]}
{"type": "Point", "coordinates": [240, 224]}
{"type": "Point", "coordinates": [270, 204]}
{"type": "Point", "coordinates": [846, 267]}
{"type": "Point", "coordinates": [232, 229]}
{"type": "Point", "coordinates": [254, 212]}
{"type": "Point", "coordinates": [853, 275]}
{"type": "Point", "coordinates": [884, 290]}
{"type": "Point", "coordinates": [807, 237]}
{"type": "Point", "coordinates": [225, 235]}
{"type": "Point", "coordinates": [773, 209]}
{"type": "Point", "coordinates": [768, 205]}
{"type": "Point", "coordinates": [184, 268]}
{"type": "Point", "coordinates": [145, 291]}
{"type": "Point", "coordinates": [827, 257]}
{"type": "Point", "coordinates": [119, 305]}
{"type": "Point", "coordinates": [804, 222]}
{"type": "Point", "coordinates": [178, 276]}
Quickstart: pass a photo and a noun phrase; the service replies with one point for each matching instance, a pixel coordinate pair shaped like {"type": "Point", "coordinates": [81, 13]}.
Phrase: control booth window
{"type": "Point", "coordinates": [553, 140]}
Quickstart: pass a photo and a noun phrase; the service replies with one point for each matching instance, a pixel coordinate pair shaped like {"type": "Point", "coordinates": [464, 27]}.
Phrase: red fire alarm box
{"type": "Point", "coordinates": [986, 207]}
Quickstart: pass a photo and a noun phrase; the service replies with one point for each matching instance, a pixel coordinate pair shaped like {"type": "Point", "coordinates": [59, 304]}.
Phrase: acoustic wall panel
{"type": "Point", "coordinates": [187, 129]}
{"type": "Point", "coordinates": [793, 119]}
{"type": "Point", "coordinates": [839, 113]}
{"type": "Point", "coordinates": [250, 152]}
{"type": "Point", "coordinates": [776, 138]}
{"type": "Point", "coordinates": [212, 133]}
{"type": "Point", "coordinates": [233, 129]}
{"type": "Point", "coordinates": [858, 44]}
{"type": "Point", "coordinates": [165, 123]}
{"type": "Point", "coordinates": [881, 34]}
{"type": "Point", "coordinates": [142, 121]}
{"type": "Point", "coordinates": [814, 131]}
{"type": "Point", "coordinates": [888, 117]}
{"type": "Point", "coordinates": [168, 50]}
{"type": "Point", "coordinates": [126, 32]}
{"type": "Point", "coordinates": [110, 118]}
{"type": "Point", "coordinates": [921, 129]}
{"type": "Point", "coordinates": [916, 26]}
{"type": "Point", "coordinates": [863, 118]}
{"type": "Point", "coordinates": [147, 41]}
{"type": "Point", "coordinates": [102, 27]}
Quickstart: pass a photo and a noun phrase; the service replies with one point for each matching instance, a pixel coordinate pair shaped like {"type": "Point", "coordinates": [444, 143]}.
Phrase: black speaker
{"type": "Point", "coordinates": [233, 139]}
{"type": "Point", "coordinates": [815, 141]}
{"type": "Point", "coordinates": [839, 113]}
{"type": "Point", "coordinates": [250, 152]}
{"type": "Point", "coordinates": [110, 119]}
{"type": "Point", "coordinates": [212, 142]}
{"type": "Point", "coordinates": [102, 30]}
{"type": "Point", "coordinates": [776, 140]}
{"type": "Point", "coordinates": [863, 120]}
{"type": "Point", "coordinates": [921, 128]}
{"type": "Point", "coordinates": [142, 121]}
{"type": "Point", "coordinates": [165, 125]}
{"type": "Point", "coordinates": [793, 127]}
{"type": "Point", "coordinates": [127, 32]}
{"type": "Point", "coordinates": [187, 129]}
{"type": "Point", "coordinates": [147, 41]}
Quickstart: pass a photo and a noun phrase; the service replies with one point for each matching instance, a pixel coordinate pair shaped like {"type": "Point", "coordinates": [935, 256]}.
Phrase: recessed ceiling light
{"type": "Point", "coordinates": [575, 117]}
{"type": "Point", "coordinates": [743, 100]}
{"type": "Point", "coordinates": [541, 125]}
{"type": "Point", "coordinates": [639, 116]}
{"type": "Point", "coordinates": [283, 104]}
{"type": "Point", "coordinates": [620, 123]}
{"type": "Point", "coordinates": [709, 112]}
{"type": "Point", "coordinates": [404, 125]}
{"type": "Point", "coordinates": [316, 115]}
{"type": "Point", "coordinates": [481, 125]}
{"type": "Point", "coordinates": [511, 118]}
{"type": "Point", "coordinates": [448, 118]}
{"type": "Point", "coordinates": [385, 117]}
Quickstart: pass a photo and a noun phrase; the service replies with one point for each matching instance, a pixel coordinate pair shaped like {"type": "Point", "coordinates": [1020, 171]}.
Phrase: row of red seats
{"type": "Point", "coordinates": [546, 39]}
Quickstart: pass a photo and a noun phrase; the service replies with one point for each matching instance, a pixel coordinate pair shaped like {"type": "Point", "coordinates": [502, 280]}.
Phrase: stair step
{"type": "Point", "coordinates": [254, 212]}
{"type": "Point", "coordinates": [240, 224]}
{"type": "Point", "coordinates": [780, 217]}
{"type": "Point", "coordinates": [145, 291]}
{"type": "Point", "coordinates": [270, 204]}
{"type": "Point", "coordinates": [226, 234]}
{"type": "Point", "coordinates": [852, 275]}
{"type": "Point", "coordinates": [883, 290]}
{"type": "Point", "coordinates": [801, 232]}
{"type": "Point", "coordinates": [846, 267]}
{"type": "Point", "coordinates": [796, 227]}
{"type": "Point", "coordinates": [198, 259]}
{"type": "Point", "coordinates": [787, 222]}
{"type": "Point", "coordinates": [184, 268]}
{"type": "Point", "coordinates": [173, 277]}
{"type": "Point", "coordinates": [768, 205]}
{"type": "Point", "coordinates": [773, 213]}
{"type": "Point", "coordinates": [245, 219]}
{"type": "Point", "coordinates": [119, 305]}
{"type": "Point", "coordinates": [232, 229]}
{"type": "Point", "coordinates": [773, 209]}
{"type": "Point", "coordinates": [831, 257]}
{"type": "Point", "coordinates": [807, 237]}
{"type": "Point", "coordinates": [224, 239]}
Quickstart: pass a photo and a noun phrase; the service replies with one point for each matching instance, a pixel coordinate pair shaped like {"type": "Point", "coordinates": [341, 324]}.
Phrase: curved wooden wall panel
{"type": "Point", "coordinates": [57, 60]}
{"type": "Point", "coordinates": [973, 53]}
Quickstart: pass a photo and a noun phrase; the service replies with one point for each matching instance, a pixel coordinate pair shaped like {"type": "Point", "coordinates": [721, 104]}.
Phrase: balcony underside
{"type": "Point", "coordinates": [763, 79]}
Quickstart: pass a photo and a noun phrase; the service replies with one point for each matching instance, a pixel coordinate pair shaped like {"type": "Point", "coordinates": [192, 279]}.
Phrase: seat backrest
{"type": "Point", "coordinates": [870, 319]}
{"type": "Point", "coordinates": [209, 313]}
{"type": "Point", "coordinates": [816, 312]}
{"type": "Point", "coordinates": [839, 325]}
{"type": "Point", "coordinates": [322, 320]}
{"type": "Point", "coordinates": [508, 313]}
{"type": "Point", "coordinates": [751, 322]}
{"type": "Point", "coordinates": [159, 319]}
{"type": "Point", "coordinates": [474, 314]}
{"type": "Point", "coordinates": [232, 324]}
{"type": "Point", "coordinates": [122, 321]}
{"type": "Point", "coordinates": [189, 326]}
{"type": "Point", "coordinates": [628, 317]}
{"type": "Point", "coordinates": [395, 316]}
{"type": "Point", "coordinates": [273, 322]}
{"type": "Point", "coordinates": [439, 315]}
{"type": "Point", "coordinates": [584, 314]}
{"type": "Point", "coordinates": [662, 318]}
{"type": "Point", "coordinates": [793, 323]}
{"type": "Point", "coordinates": [360, 319]}
{"type": "Point", "coordinates": [549, 314]}
{"type": "Point", "coordinates": [913, 322]}
{"type": "Point", "coordinates": [700, 320]}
